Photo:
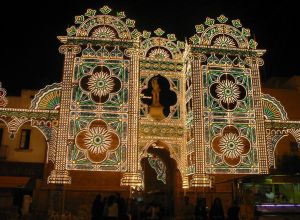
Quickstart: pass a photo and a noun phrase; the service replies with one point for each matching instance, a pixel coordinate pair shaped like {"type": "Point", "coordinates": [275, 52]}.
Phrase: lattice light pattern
{"type": "Point", "coordinates": [110, 106]}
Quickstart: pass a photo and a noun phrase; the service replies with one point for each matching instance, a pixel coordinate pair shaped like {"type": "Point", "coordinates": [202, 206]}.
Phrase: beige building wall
{"type": "Point", "coordinates": [37, 144]}
{"type": "Point", "coordinates": [288, 93]}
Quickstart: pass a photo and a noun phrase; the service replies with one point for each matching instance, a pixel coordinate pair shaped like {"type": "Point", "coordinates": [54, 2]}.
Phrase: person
{"type": "Point", "coordinates": [187, 212]}
{"type": "Point", "coordinates": [155, 92]}
{"type": "Point", "coordinates": [233, 211]}
{"type": "Point", "coordinates": [122, 207]}
{"type": "Point", "coordinates": [97, 208]}
{"type": "Point", "coordinates": [200, 209]}
{"type": "Point", "coordinates": [281, 198]}
{"type": "Point", "coordinates": [269, 196]}
{"type": "Point", "coordinates": [112, 208]}
{"type": "Point", "coordinates": [152, 211]}
{"type": "Point", "coordinates": [216, 211]}
{"type": "Point", "coordinates": [284, 199]}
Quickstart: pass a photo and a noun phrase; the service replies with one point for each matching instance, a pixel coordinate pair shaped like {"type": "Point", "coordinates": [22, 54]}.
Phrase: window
{"type": "Point", "coordinates": [25, 139]}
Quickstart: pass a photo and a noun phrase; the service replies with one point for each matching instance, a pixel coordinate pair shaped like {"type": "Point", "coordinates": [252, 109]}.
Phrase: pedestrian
{"type": "Point", "coordinates": [233, 211]}
{"type": "Point", "coordinates": [97, 208]}
{"type": "Point", "coordinates": [200, 209]}
{"type": "Point", "coordinates": [216, 212]}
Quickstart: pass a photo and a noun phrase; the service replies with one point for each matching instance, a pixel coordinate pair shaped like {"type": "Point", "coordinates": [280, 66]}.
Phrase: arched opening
{"type": "Point", "coordinates": [287, 156]}
{"type": "Point", "coordinates": [159, 97]}
{"type": "Point", "coordinates": [162, 179]}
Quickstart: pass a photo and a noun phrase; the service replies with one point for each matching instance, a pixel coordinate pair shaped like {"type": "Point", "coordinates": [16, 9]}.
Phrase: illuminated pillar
{"type": "Point", "coordinates": [183, 113]}
{"type": "Point", "coordinates": [60, 175]}
{"type": "Point", "coordinates": [255, 62]}
{"type": "Point", "coordinates": [132, 177]}
{"type": "Point", "coordinates": [199, 178]}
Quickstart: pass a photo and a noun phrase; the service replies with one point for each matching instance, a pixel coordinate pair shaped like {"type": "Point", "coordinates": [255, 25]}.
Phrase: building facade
{"type": "Point", "coordinates": [193, 111]}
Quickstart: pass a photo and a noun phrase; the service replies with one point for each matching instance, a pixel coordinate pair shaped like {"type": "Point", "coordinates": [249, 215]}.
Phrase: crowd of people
{"type": "Point", "coordinates": [116, 207]}
{"type": "Point", "coordinates": [201, 212]}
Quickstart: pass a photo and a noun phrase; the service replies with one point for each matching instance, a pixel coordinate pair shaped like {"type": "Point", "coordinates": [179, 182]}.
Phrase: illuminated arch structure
{"type": "Point", "coordinates": [109, 107]}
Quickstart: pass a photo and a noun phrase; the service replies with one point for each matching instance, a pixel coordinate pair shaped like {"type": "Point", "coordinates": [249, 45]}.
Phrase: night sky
{"type": "Point", "coordinates": [31, 60]}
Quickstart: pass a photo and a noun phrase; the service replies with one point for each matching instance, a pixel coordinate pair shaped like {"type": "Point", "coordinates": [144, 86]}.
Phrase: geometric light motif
{"type": "Point", "coordinates": [103, 32]}
{"type": "Point", "coordinates": [159, 53]}
{"type": "Point", "coordinates": [160, 168]}
{"type": "Point", "coordinates": [273, 109]}
{"type": "Point", "coordinates": [100, 85]}
{"type": "Point", "coordinates": [96, 141]}
{"type": "Point", "coordinates": [227, 92]}
{"type": "Point", "coordinates": [47, 98]}
{"type": "Point", "coordinates": [224, 41]}
{"type": "Point", "coordinates": [231, 146]}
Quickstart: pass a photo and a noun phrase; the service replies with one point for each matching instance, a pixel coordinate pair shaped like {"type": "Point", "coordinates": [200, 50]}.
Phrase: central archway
{"type": "Point", "coordinates": [162, 179]}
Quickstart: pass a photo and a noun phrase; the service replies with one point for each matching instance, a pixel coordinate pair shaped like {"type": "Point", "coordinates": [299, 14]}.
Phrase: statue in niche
{"type": "Point", "coordinates": [155, 92]}
{"type": "Point", "coordinates": [156, 109]}
{"type": "Point", "coordinates": [158, 97]}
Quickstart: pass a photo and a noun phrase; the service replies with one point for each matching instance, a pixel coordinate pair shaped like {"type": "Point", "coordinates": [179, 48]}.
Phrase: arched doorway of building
{"type": "Point", "coordinates": [287, 155]}
{"type": "Point", "coordinates": [162, 179]}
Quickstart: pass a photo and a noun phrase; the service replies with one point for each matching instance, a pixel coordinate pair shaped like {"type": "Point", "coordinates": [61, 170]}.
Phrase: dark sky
{"type": "Point", "coordinates": [31, 60]}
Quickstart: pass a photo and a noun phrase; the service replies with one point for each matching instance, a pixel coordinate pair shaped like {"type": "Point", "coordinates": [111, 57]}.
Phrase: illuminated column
{"type": "Point", "coordinates": [269, 145]}
{"type": "Point", "coordinates": [185, 180]}
{"type": "Point", "coordinates": [261, 144]}
{"type": "Point", "coordinates": [132, 177]}
{"type": "Point", "coordinates": [199, 178]}
{"type": "Point", "coordinates": [60, 175]}
{"type": "Point", "coordinates": [50, 133]}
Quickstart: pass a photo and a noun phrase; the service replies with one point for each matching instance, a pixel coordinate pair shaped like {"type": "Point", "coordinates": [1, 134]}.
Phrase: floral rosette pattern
{"type": "Point", "coordinates": [100, 84]}
{"type": "Point", "coordinates": [227, 92]}
{"type": "Point", "coordinates": [97, 140]}
{"type": "Point", "coordinates": [231, 146]}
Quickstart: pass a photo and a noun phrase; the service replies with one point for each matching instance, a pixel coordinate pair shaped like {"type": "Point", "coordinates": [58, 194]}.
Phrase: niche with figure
{"type": "Point", "coordinates": [158, 97]}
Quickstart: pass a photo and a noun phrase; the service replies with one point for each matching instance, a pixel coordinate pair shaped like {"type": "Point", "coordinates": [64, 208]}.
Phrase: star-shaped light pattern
{"type": "Point", "coordinates": [231, 145]}
{"type": "Point", "coordinates": [100, 84]}
{"type": "Point", "coordinates": [227, 91]}
{"type": "Point", "coordinates": [97, 140]}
